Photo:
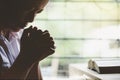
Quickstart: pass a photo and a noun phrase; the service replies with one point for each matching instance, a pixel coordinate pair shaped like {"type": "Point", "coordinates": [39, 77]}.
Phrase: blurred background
{"type": "Point", "coordinates": [82, 29]}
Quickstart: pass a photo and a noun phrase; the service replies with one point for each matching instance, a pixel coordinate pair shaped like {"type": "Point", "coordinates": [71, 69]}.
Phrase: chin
{"type": "Point", "coordinates": [15, 29]}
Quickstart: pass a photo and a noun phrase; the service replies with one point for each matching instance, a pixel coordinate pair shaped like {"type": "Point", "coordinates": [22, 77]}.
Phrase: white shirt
{"type": "Point", "coordinates": [13, 45]}
{"type": "Point", "coordinates": [14, 39]}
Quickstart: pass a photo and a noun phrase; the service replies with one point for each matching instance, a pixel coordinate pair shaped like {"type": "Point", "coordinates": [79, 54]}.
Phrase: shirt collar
{"type": "Point", "coordinates": [2, 37]}
{"type": "Point", "coordinates": [16, 35]}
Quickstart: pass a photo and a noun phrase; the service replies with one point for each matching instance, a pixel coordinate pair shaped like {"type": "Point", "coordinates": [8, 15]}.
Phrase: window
{"type": "Point", "coordinates": [82, 28]}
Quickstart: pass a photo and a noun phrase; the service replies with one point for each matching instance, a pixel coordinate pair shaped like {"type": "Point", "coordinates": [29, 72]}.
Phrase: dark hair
{"type": "Point", "coordinates": [10, 9]}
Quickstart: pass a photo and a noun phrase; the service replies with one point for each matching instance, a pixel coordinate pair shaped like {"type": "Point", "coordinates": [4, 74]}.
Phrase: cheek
{"type": "Point", "coordinates": [17, 18]}
{"type": "Point", "coordinates": [29, 17]}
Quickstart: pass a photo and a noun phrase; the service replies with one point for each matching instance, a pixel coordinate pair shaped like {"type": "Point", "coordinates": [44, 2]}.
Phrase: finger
{"type": "Point", "coordinates": [25, 33]}
{"type": "Point", "coordinates": [46, 35]}
{"type": "Point", "coordinates": [52, 44]}
{"type": "Point", "coordinates": [45, 32]}
{"type": "Point", "coordinates": [35, 28]}
{"type": "Point", "coordinates": [32, 32]}
{"type": "Point", "coordinates": [46, 54]}
{"type": "Point", "coordinates": [40, 31]}
{"type": "Point", "coordinates": [51, 51]}
{"type": "Point", "coordinates": [42, 36]}
{"type": "Point", "coordinates": [29, 28]}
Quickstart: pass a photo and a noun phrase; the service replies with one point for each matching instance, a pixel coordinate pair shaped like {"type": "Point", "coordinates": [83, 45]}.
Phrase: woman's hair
{"type": "Point", "coordinates": [10, 9]}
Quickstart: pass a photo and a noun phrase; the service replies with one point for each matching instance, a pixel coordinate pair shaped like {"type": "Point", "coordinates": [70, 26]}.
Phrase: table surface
{"type": "Point", "coordinates": [82, 68]}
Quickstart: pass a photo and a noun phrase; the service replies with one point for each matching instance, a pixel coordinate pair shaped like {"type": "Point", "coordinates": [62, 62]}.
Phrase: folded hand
{"type": "Point", "coordinates": [36, 44]}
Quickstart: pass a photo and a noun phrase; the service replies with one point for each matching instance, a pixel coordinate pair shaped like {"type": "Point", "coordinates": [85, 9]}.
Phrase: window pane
{"type": "Point", "coordinates": [77, 22]}
{"type": "Point", "coordinates": [82, 29]}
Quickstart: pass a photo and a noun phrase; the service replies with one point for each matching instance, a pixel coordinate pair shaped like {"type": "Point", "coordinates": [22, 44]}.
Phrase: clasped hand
{"type": "Point", "coordinates": [36, 44]}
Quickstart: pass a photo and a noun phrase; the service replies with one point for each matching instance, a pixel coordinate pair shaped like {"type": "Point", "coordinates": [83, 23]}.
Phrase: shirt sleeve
{"type": "Point", "coordinates": [4, 61]}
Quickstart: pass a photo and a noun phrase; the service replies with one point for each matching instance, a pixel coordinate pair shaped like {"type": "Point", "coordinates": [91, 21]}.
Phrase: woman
{"type": "Point", "coordinates": [20, 56]}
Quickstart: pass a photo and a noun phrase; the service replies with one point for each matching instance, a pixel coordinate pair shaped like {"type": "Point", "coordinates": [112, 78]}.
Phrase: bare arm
{"type": "Point", "coordinates": [35, 46]}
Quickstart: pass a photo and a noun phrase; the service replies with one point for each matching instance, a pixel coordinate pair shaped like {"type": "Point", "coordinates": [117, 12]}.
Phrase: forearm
{"type": "Point", "coordinates": [34, 47]}
{"type": "Point", "coordinates": [34, 73]}
{"type": "Point", "coordinates": [18, 70]}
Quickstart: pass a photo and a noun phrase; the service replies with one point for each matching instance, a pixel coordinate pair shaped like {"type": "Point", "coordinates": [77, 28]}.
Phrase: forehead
{"type": "Point", "coordinates": [39, 4]}
{"type": "Point", "coordinates": [43, 3]}
{"type": "Point", "coordinates": [20, 6]}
